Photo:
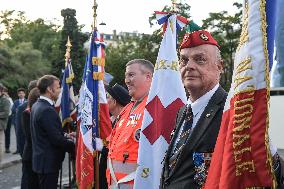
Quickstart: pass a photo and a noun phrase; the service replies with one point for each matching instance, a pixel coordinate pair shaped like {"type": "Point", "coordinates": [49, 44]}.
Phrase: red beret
{"type": "Point", "coordinates": [197, 37]}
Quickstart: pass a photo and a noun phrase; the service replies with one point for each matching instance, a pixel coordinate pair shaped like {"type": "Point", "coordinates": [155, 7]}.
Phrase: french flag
{"type": "Point", "coordinates": [94, 114]}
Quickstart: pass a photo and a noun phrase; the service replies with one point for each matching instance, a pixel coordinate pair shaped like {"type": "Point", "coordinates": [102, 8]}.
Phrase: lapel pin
{"type": "Point", "coordinates": [208, 115]}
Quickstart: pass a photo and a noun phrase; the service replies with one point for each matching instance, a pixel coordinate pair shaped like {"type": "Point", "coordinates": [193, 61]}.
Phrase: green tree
{"type": "Point", "coordinates": [226, 29]}
{"type": "Point", "coordinates": [17, 29]}
{"type": "Point", "coordinates": [77, 38]}
{"type": "Point", "coordinates": [126, 49]}
{"type": "Point", "coordinates": [23, 63]}
{"type": "Point", "coordinates": [5, 63]}
{"type": "Point", "coordinates": [8, 19]}
{"type": "Point", "coordinates": [28, 48]}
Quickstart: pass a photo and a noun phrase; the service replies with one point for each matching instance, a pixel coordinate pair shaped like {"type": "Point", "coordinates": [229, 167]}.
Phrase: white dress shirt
{"type": "Point", "coordinates": [47, 99]}
{"type": "Point", "coordinates": [198, 108]}
{"type": "Point", "coordinates": [199, 105]}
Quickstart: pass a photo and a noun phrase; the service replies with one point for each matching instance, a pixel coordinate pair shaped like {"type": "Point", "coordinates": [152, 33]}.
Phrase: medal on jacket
{"type": "Point", "coordinates": [134, 118]}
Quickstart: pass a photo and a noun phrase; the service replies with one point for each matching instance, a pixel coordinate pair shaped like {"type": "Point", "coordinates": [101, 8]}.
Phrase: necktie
{"type": "Point", "coordinates": [186, 128]}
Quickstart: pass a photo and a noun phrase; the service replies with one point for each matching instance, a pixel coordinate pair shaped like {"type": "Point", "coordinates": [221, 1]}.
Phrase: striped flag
{"type": "Point", "coordinates": [94, 114]}
{"type": "Point", "coordinates": [166, 96]}
{"type": "Point", "coordinates": [242, 157]}
{"type": "Point", "coordinates": [65, 104]}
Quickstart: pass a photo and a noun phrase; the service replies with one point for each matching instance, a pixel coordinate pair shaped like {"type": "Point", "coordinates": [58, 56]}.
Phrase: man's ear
{"type": "Point", "coordinates": [49, 89]}
{"type": "Point", "coordinates": [149, 76]}
{"type": "Point", "coordinates": [221, 66]}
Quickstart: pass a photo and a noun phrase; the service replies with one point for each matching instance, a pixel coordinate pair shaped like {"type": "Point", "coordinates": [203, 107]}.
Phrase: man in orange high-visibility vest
{"type": "Point", "coordinates": [124, 142]}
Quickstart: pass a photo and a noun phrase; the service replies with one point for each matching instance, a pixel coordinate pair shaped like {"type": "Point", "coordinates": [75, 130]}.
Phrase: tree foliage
{"type": "Point", "coordinates": [37, 47]}
{"type": "Point", "coordinates": [226, 29]}
{"type": "Point", "coordinates": [72, 30]}
{"type": "Point", "coordinates": [126, 49]}
{"type": "Point", "coordinates": [22, 63]}
{"type": "Point", "coordinates": [26, 48]}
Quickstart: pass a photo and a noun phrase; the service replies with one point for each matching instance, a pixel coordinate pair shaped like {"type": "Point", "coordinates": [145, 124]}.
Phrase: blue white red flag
{"type": "Point", "coordinates": [166, 96]}
{"type": "Point", "coordinates": [65, 104]}
{"type": "Point", "coordinates": [162, 19]}
{"type": "Point", "coordinates": [94, 113]}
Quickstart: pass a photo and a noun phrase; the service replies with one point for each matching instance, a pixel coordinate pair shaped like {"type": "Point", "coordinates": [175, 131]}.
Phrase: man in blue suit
{"type": "Point", "coordinates": [48, 142]}
{"type": "Point", "coordinates": [15, 119]}
{"type": "Point", "coordinates": [20, 131]}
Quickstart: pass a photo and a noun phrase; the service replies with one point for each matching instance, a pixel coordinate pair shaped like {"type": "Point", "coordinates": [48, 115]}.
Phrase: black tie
{"type": "Point", "coordinates": [186, 128]}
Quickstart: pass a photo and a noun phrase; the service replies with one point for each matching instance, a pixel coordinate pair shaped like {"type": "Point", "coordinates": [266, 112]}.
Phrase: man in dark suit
{"type": "Point", "coordinates": [48, 142]}
{"type": "Point", "coordinates": [16, 121]}
{"type": "Point", "coordinates": [197, 125]}
{"type": "Point", "coordinates": [21, 138]}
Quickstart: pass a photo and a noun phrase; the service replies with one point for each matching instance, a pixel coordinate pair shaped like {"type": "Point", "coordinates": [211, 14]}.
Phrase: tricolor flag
{"type": "Point", "coordinates": [166, 96]}
{"type": "Point", "coordinates": [94, 113]}
{"type": "Point", "coordinates": [65, 105]}
{"type": "Point", "coordinates": [242, 157]}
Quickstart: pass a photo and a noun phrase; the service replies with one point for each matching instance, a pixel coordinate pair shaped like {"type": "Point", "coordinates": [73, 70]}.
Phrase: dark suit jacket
{"type": "Point", "coordinates": [27, 153]}
{"type": "Point", "coordinates": [201, 140]}
{"type": "Point", "coordinates": [15, 109]}
{"type": "Point", "coordinates": [20, 133]}
{"type": "Point", "coordinates": [48, 142]}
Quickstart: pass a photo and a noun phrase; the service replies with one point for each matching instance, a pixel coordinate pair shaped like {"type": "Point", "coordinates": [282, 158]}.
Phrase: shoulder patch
{"type": "Point", "coordinates": [137, 135]}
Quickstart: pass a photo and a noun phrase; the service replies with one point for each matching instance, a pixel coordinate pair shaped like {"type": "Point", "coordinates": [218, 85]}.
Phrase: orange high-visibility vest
{"type": "Point", "coordinates": [123, 146]}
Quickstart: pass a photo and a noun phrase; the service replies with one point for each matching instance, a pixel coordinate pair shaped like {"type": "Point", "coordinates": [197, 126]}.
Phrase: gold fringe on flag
{"type": "Point", "coordinates": [98, 75]}
{"type": "Point", "coordinates": [98, 61]}
{"type": "Point", "coordinates": [264, 37]}
{"type": "Point", "coordinates": [70, 78]}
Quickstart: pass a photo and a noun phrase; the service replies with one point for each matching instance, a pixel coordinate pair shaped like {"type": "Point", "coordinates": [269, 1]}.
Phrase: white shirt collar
{"type": "Point", "coordinates": [202, 102]}
{"type": "Point", "coordinates": [47, 99]}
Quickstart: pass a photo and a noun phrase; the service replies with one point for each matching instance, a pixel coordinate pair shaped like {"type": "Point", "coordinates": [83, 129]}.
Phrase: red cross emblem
{"type": "Point", "coordinates": [163, 119]}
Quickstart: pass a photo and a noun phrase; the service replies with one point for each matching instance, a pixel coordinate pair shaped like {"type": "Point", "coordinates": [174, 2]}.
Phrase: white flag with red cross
{"type": "Point", "coordinates": [166, 97]}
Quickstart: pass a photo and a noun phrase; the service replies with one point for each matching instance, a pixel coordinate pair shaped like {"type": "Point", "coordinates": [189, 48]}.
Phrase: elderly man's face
{"type": "Point", "coordinates": [200, 68]}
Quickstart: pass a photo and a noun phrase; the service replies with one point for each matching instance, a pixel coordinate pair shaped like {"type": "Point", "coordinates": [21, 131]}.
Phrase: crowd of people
{"type": "Point", "coordinates": [42, 143]}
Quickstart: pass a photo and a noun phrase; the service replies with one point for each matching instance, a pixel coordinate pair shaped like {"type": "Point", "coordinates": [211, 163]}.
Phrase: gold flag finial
{"type": "Point", "coordinates": [95, 15]}
{"type": "Point", "coordinates": [68, 50]}
{"type": "Point", "coordinates": [174, 6]}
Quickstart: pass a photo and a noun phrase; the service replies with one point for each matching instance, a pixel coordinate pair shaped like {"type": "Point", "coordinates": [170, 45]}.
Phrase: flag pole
{"type": "Point", "coordinates": [96, 154]}
{"type": "Point", "coordinates": [95, 15]}
{"type": "Point", "coordinates": [67, 57]}
{"type": "Point", "coordinates": [68, 50]}
{"type": "Point", "coordinates": [174, 6]}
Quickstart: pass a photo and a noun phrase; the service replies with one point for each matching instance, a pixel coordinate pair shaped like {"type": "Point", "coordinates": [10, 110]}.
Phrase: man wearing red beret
{"type": "Point", "coordinates": [197, 125]}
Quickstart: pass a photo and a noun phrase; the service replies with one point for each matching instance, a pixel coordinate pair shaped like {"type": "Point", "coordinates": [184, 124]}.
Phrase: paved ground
{"type": "Point", "coordinates": [11, 168]}
{"type": "Point", "coordinates": [10, 177]}
{"type": "Point", "coordinates": [10, 158]}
